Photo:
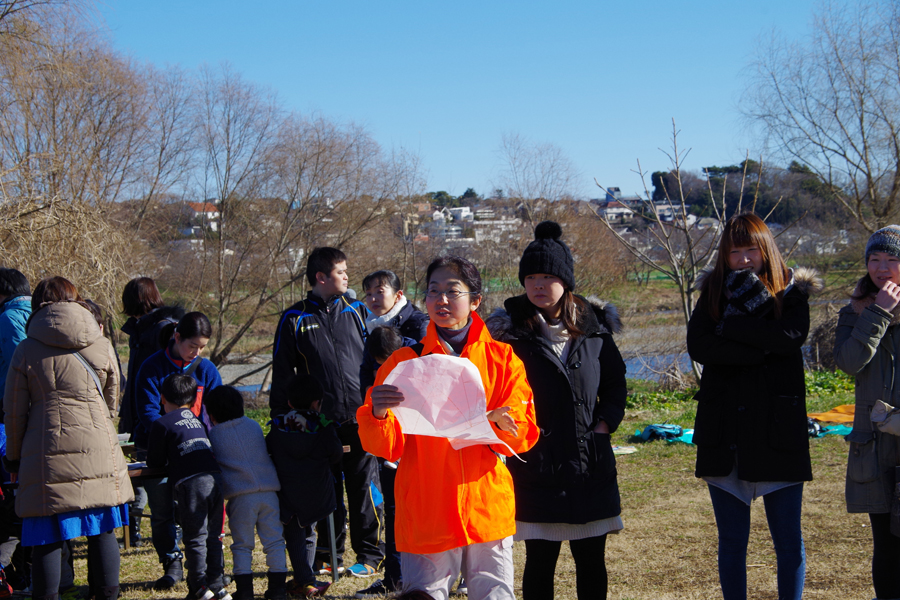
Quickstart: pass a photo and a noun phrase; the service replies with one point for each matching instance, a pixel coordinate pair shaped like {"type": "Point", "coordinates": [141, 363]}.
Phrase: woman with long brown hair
{"type": "Point", "coordinates": [747, 331]}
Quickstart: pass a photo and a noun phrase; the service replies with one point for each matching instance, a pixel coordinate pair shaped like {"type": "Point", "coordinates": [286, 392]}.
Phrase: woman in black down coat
{"type": "Point", "coordinates": [747, 331]}
{"type": "Point", "coordinates": [567, 489]}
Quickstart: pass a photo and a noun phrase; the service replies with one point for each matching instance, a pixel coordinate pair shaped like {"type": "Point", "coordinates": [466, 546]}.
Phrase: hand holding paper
{"type": "Point", "coordinates": [503, 420]}
{"type": "Point", "coordinates": [442, 396]}
{"type": "Point", "coordinates": [383, 398]}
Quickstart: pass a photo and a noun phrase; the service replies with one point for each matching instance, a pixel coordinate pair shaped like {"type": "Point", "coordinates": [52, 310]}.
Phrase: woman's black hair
{"type": "Point", "coordinates": [224, 403]}
{"type": "Point", "coordinates": [178, 389]}
{"type": "Point", "coordinates": [193, 325]}
{"type": "Point", "coordinates": [383, 341]}
{"type": "Point", "coordinates": [385, 278]}
{"type": "Point", "coordinates": [463, 269]}
{"type": "Point", "coordinates": [95, 310]}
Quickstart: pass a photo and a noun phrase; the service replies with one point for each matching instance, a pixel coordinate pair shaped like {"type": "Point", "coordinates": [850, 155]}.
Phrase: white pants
{"type": "Point", "coordinates": [488, 569]}
{"type": "Point", "coordinates": [258, 511]}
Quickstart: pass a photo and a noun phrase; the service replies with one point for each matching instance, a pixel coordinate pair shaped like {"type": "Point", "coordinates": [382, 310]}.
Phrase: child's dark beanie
{"type": "Point", "coordinates": [548, 254]}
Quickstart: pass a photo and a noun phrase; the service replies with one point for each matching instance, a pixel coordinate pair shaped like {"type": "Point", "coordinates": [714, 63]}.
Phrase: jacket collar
{"type": "Point", "coordinates": [478, 332]}
{"type": "Point", "coordinates": [508, 323]}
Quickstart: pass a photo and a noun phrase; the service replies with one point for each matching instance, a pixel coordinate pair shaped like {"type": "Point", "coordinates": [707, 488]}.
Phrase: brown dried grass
{"type": "Point", "coordinates": [668, 547]}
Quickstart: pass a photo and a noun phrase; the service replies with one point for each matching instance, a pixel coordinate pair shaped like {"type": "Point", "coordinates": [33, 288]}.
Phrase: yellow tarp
{"type": "Point", "coordinates": [838, 414]}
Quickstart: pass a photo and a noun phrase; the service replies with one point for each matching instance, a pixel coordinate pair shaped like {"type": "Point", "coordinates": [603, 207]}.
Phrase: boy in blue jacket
{"type": "Point", "coordinates": [178, 442]}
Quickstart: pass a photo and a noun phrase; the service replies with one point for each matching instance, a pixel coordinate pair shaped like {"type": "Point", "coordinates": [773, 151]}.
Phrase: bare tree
{"type": "Point", "coordinates": [673, 243]}
{"type": "Point", "coordinates": [832, 103]}
{"type": "Point", "coordinates": [534, 174]}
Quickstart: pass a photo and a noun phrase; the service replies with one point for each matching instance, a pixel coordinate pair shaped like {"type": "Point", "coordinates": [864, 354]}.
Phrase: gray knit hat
{"type": "Point", "coordinates": [886, 239]}
{"type": "Point", "coordinates": [548, 254]}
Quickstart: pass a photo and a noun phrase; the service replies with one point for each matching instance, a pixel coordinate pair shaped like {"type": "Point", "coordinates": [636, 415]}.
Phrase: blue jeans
{"type": "Point", "coordinates": [733, 522]}
{"type": "Point", "coordinates": [162, 519]}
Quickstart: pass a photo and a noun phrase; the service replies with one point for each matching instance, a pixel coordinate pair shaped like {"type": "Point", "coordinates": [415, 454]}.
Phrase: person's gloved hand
{"type": "Point", "coordinates": [748, 292]}
{"type": "Point", "coordinates": [885, 417]}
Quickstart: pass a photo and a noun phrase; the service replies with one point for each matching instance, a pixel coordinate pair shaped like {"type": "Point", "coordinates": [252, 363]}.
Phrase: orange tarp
{"type": "Point", "coordinates": [838, 414]}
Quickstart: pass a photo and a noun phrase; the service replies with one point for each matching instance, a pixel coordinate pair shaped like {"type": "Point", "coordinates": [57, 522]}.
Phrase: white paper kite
{"type": "Point", "coordinates": [443, 397]}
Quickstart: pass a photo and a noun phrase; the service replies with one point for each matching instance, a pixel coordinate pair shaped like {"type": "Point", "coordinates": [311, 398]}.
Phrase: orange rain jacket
{"type": "Point", "coordinates": [450, 498]}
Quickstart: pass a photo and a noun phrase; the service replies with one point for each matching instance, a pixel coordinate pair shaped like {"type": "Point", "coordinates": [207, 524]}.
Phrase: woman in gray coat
{"type": "Point", "coordinates": [73, 481]}
{"type": "Point", "coordinates": [867, 343]}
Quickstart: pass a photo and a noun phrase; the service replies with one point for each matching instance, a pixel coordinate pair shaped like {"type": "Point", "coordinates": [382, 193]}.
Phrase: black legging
{"type": "Point", "coordinates": [103, 566]}
{"type": "Point", "coordinates": [885, 557]}
{"type": "Point", "coordinates": [540, 567]}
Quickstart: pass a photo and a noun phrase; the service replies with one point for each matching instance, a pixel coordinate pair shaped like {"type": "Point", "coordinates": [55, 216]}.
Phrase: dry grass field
{"type": "Point", "coordinates": [668, 547]}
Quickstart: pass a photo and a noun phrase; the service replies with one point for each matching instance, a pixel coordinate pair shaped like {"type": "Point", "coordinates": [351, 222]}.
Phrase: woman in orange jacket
{"type": "Point", "coordinates": [455, 508]}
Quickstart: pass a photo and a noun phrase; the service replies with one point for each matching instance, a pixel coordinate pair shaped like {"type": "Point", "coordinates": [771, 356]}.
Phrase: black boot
{"type": "Point", "coordinates": [277, 586]}
{"type": "Point", "coordinates": [244, 587]}
{"type": "Point", "coordinates": [174, 573]}
{"type": "Point", "coordinates": [108, 592]}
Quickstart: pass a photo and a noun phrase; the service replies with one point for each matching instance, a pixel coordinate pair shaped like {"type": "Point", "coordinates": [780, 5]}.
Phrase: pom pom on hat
{"type": "Point", "coordinates": [548, 230]}
{"type": "Point", "coordinates": [548, 254]}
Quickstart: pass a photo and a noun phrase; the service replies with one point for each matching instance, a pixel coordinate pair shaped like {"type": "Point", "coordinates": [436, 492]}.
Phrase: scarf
{"type": "Point", "coordinates": [455, 338]}
{"type": "Point", "coordinates": [373, 322]}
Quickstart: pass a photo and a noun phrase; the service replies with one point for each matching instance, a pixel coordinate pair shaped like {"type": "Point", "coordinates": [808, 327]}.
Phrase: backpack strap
{"type": "Point", "coordinates": [91, 372]}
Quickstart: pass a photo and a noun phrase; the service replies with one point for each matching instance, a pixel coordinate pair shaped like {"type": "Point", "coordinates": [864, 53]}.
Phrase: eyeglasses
{"type": "Point", "coordinates": [451, 295]}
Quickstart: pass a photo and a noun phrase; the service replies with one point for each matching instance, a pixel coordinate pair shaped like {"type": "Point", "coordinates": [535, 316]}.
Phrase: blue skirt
{"type": "Point", "coordinates": [38, 531]}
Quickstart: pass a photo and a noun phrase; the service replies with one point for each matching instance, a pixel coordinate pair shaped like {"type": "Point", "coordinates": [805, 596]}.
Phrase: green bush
{"type": "Point", "coordinates": [824, 383]}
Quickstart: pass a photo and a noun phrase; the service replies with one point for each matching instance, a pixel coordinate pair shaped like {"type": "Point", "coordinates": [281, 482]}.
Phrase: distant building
{"type": "Point", "coordinates": [203, 215]}
{"type": "Point", "coordinates": [462, 213]}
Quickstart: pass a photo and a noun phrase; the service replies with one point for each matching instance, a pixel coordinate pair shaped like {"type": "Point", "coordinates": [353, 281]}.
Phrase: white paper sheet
{"type": "Point", "coordinates": [443, 397]}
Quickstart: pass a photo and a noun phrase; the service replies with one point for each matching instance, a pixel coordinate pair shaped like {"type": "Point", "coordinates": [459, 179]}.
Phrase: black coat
{"type": "Point", "coordinates": [412, 324]}
{"type": "Point", "coordinates": [751, 407]}
{"type": "Point", "coordinates": [303, 462]}
{"type": "Point", "coordinates": [326, 340]}
{"type": "Point", "coordinates": [143, 342]}
{"type": "Point", "coordinates": [570, 473]}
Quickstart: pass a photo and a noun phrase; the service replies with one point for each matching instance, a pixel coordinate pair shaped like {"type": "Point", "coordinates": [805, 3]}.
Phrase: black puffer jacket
{"type": "Point", "coordinates": [412, 324]}
{"type": "Point", "coordinates": [570, 474]}
{"type": "Point", "coordinates": [751, 407]}
{"type": "Point", "coordinates": [326, 340]}
{"type": "Point", "coordinates": [143, 341]}
{"type": "Point", "coordinates": [303, 461]}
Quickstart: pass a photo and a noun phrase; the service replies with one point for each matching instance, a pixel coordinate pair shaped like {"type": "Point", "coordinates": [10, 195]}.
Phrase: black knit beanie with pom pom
{"type": "Point", "coordinates": [548, 254]}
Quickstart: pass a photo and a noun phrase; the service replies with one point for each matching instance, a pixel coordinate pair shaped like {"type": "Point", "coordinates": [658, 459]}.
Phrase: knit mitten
{"type": "Point", "coordinates": [749, 295]}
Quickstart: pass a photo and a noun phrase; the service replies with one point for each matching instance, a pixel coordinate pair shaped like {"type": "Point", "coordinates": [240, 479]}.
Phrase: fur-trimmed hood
{"type": "Point", "coordinates": [805, 279]}
{"type": "Point", "coordinates": [508, 323]}
{"type": "Point", "coordinates": [860, 304]}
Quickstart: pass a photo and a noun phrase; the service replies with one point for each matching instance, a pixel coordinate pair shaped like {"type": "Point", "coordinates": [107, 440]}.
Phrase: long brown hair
{"type": "Point", "coordinates": [746, 230]}
{"type": "Point", "coordinates": [569, 314]}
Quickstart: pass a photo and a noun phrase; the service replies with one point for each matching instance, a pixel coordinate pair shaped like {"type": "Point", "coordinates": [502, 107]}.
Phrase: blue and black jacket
{"type": "Point", "coordinates": [325, 339]}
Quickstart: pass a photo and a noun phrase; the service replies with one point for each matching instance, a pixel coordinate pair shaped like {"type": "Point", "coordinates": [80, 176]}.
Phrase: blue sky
{"type": "Point", "coordinates": [601, 80]}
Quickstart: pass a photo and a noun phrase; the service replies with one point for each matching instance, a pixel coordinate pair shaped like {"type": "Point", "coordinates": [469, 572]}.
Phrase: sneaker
{"type": "Point", "coordinates": [307, 590]}
{"type": "Point", "coordinates": [361, 570]}
{"type": "Point", "coordinates": [379, 589]}
{"type": "Point", "coordinates": [204, 593]}
{"type": "Point", "coordinates": [72, 592]}
{"type": "Point", "coordinates": [223, 595]}
{"type": "Point", "coordinates": [461, 588]}
{"type": "Point", "coordinates": [324, 568]}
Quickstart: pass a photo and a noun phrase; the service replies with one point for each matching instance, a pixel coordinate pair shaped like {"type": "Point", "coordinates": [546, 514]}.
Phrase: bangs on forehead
{"type": "Point", "coordinates": [741, 236]}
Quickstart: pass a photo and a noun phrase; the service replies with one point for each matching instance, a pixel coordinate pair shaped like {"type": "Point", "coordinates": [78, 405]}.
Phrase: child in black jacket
{"type": "Point", "coordinates": [304, 445]}
{"type": "Point", "coordinates": [178, 441]}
